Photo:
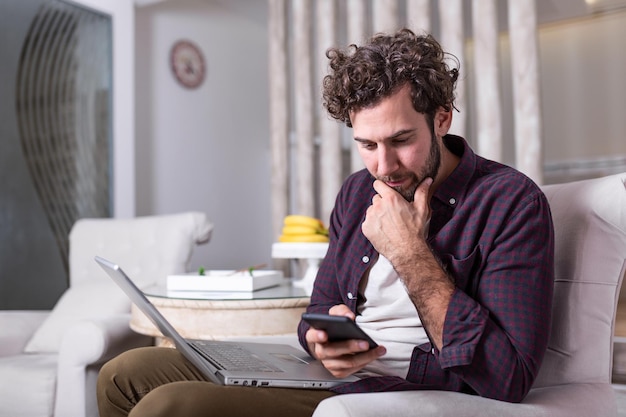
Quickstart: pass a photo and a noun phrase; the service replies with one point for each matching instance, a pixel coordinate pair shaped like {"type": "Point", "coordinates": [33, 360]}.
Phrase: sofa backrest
{"type": "Point", "coordinates": [590, 263]}
{"type": "Point", "coordinates": [147, 248]}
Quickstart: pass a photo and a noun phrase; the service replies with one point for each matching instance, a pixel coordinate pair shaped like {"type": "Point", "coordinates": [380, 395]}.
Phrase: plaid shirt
{"type": "Point", "coordinates": [491, 228]}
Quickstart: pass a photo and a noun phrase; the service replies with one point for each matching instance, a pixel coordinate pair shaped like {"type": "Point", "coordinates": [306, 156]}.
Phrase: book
{"type": "Point", "coordinates": [225, 280]}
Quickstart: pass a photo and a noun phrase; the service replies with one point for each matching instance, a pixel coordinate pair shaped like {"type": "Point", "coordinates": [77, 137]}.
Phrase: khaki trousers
{"type": "Point", "coordinates": [156, 381]}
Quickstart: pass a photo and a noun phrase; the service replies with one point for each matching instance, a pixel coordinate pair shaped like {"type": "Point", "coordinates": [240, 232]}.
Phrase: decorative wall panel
{"type": "Point", "coordinates": [58, 141]}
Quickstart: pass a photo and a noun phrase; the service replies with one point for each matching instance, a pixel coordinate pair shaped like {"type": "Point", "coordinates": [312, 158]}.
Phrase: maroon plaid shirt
{"type": "Point", "coordinates": [491, 228]}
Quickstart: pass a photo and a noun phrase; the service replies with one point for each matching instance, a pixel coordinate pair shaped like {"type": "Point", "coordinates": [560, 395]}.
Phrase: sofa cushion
{"type": "Point", "coordinates": [590, 232]}
{"type": "Point", "coordinates": [560, 401]}
{"type": "Point", "coordinates": [18, 327]}
{"type": "Point", "coordinates": [91, 300]}
{"type": "Point", "coordinates": [27, 386]}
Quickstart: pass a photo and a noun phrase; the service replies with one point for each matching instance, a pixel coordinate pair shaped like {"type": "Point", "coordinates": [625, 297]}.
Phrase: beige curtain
{"type": "Point", "coordinates": [312, 155]}
{"type": "Point", "coordinates": [488, 102]}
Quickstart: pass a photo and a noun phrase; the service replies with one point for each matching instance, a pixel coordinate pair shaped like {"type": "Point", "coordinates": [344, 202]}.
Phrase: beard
{"type": "Point", "coordinates": [430, 170]}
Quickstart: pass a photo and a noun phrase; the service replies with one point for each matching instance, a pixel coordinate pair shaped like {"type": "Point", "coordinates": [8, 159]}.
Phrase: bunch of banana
{"type": "Point", "coordinates": [299, 228]}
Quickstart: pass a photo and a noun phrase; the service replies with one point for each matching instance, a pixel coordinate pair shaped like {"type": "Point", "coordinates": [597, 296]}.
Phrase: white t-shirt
{"type": "Point", "coordinates": [388, 315]}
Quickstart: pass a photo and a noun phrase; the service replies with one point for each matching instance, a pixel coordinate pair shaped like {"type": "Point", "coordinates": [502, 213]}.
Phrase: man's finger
{"type": "Point", "coordinates": [423, 188]}
{"type": "Point", "coordinates": [348, 364]}
{"type": "Point", "coordinates": [341, 310]}
{"type": "Point", "coordinates": [382, 189]}
{"type": "Point", "coordinates": [316, 336]}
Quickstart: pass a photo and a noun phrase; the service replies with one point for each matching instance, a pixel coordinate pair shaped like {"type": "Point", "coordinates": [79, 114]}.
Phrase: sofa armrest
{"type": "Point", "coordinates": [18, 327]}
{"type": "Point", "coordinates": [98, 340]}
{"type": "Point", "coordinates": [85, 344]}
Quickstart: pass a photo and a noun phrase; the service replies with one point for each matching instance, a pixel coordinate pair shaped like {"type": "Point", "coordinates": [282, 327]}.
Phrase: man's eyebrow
{"type": "Point", "coordinates": [394, 136]}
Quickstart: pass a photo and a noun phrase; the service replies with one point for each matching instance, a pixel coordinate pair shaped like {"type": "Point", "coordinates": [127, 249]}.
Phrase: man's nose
{"type": "Point", "coordinates": [387, 161]}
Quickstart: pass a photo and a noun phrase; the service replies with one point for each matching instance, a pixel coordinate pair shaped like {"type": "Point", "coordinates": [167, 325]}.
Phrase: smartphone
{"type": "Point", "coordinates": [337, 327]}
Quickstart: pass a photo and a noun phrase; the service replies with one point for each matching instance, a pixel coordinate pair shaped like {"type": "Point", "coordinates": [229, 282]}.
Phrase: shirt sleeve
{"type": "Point", "coordinates": [341, 269]}
{"type": "Point", "coordinates": [326, 292]}
{"type": "Point", "coordinates": [495, 339]}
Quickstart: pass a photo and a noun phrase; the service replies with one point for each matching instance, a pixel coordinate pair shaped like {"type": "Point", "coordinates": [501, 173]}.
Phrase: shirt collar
{"type": "Point", "coordinates": [452, 190]}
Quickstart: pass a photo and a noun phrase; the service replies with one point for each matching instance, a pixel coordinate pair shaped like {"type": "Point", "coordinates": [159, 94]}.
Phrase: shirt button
{"type": "Point", "coordinates": [350, 296]}
{"type": "Point", "coordinates": [432, 351]}
{"type": "Point", "coordinates": [452, 201]}
{"type": "Point", "coordinates": [365, 259]}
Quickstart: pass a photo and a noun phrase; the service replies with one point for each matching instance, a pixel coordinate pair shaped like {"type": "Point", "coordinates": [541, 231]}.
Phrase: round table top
{"type": "Point", "coordinates": [216, 315]}
{"type": "Point", "coordinates": [284, 291]}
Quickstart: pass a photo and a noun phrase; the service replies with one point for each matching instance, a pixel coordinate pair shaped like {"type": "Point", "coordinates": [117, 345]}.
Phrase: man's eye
{"type": "Point", "coordinates": [367, 145]}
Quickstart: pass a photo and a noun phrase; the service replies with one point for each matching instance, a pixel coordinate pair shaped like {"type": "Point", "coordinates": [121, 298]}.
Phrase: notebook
{"type": "Point", "coordinates": [234, 363]}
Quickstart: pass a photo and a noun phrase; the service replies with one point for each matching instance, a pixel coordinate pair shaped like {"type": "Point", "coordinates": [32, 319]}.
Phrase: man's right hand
{"type": "Point", "coordinates": [341, 358]}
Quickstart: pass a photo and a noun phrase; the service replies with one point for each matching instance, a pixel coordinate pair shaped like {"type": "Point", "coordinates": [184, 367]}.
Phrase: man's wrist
{"type": "Point", "coordinates": [410, 255]}
{"type": "Point", "coordinates": [429, 287]}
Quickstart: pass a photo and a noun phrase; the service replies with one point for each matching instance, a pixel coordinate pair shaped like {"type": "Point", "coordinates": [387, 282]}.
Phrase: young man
{"type": "Point", "coordinates": [443, 257]}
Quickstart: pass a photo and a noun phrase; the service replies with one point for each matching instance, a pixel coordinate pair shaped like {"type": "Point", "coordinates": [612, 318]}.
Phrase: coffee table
{"type": "Point", "coordinates": [273, 311]}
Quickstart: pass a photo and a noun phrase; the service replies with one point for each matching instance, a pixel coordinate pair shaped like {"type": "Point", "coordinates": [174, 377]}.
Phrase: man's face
{"type": "Point", "coordinates": [398, 145]}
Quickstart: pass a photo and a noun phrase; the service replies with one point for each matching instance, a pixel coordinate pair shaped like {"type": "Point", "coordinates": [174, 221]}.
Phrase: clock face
{"type": "Point", "coordinates": [187, 64]}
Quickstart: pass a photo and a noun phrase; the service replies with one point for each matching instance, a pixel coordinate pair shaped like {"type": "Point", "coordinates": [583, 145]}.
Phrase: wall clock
{"type": "Point", "coordinates": [187, 63]}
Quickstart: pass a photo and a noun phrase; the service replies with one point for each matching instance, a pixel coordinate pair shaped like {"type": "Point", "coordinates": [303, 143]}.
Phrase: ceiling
{"type": "Point", "coordinates": [548, 11]}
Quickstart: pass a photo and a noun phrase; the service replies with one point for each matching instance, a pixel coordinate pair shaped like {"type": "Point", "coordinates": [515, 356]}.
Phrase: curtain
{"type": "Point", "coordinates": [312, 154]}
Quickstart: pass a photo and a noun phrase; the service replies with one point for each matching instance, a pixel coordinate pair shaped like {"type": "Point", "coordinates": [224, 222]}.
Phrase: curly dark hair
{"type": "Point", "coordinates": [362, 76]}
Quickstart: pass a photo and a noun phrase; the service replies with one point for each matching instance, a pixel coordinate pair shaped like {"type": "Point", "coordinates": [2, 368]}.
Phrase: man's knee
{"type": "Point", "coordinates": [119, 371]}
{"type": "Point", "coordinates": [168, 400]}
{"type": "Point", "coordinates": [126, 361]}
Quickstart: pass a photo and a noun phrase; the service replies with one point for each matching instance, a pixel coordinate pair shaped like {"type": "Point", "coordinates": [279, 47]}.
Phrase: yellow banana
{"type": "Point", "coordinates": [300, 230]}
{"type": "Point", "coordinates": [303, 238]}
{"type": "Point", "coordinates": [301, 220]}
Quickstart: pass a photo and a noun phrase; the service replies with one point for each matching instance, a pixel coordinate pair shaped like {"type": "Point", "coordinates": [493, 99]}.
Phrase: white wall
{"type": "Point", "coordinates": [207, 149]}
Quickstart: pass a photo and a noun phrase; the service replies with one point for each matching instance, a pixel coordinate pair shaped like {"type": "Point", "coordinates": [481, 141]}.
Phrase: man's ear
{"type": "Point", "coordinates": [443, 120]}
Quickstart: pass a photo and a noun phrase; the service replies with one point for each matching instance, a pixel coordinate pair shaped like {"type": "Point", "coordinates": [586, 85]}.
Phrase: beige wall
{"type": "Point", "coordinates": [584, 88]}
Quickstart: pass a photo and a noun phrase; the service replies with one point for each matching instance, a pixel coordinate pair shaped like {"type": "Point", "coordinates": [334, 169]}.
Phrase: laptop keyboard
{"type": "Point", "coordinates": [234, 358]}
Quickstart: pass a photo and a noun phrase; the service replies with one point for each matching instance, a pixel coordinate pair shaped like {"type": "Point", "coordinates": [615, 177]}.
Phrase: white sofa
{"type": "Point", "coordinates": [575, 378]}
{"type": "Point", "coordinates": [49, 360]}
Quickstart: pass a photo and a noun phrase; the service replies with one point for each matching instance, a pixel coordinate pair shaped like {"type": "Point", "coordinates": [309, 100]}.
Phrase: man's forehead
{"type": "Point", "coordinates": [388, 124]}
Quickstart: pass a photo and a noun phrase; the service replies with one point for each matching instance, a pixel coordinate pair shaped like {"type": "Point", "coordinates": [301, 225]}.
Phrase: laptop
{"type": "Point", "coordinates": [234, 363]}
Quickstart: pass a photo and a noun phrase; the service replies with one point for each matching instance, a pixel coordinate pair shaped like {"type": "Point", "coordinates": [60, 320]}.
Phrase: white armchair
{"type": "Point", "coordinates": [575, 378]}
{"type": "Point", "coordinates": [49, 360]}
